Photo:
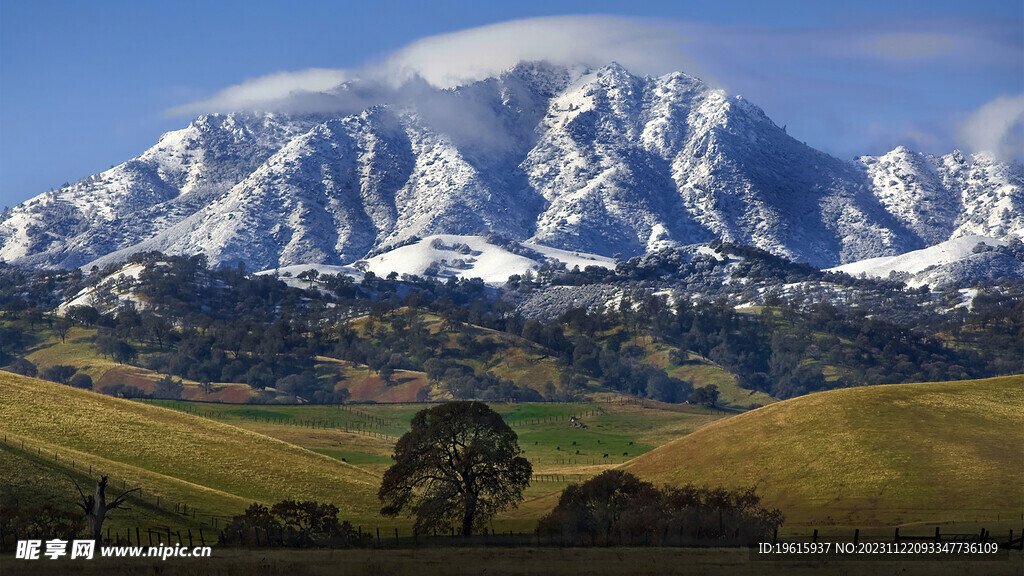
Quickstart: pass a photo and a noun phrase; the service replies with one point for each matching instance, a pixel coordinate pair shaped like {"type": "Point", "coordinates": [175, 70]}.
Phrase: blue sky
{"type": "Point", "coordinates": [84, 85]}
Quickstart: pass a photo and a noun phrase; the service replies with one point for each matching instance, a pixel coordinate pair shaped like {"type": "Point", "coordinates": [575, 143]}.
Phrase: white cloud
{"type": "Point", "coordinates": [264, 92]}
{"type": "Point", "coordinates": [643, 47]}
{"type": "Point", "coordinates": [996, 127]}
{"type": "Point", "coordinates": [829, 85]}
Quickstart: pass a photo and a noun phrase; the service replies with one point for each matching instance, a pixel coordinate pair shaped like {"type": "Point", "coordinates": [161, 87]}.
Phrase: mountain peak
{"type": "Point", "coordinates": [600, 161]}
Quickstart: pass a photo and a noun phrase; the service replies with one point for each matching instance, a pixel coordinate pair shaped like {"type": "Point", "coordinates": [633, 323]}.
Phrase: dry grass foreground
{"type": "Point", "coordinates": [872, 456]}
{"type": "Point", "coordinates": [146, 442]}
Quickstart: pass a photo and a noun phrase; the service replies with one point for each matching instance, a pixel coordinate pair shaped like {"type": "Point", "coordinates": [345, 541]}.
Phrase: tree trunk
{"type": "Point", "coordinates": [468, 513]}
{"type": "Point", "coordinates": [97, 511]}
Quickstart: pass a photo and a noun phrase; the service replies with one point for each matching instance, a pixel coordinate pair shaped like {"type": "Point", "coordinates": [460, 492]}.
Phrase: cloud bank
{"type": "Point", "coordinates": [448, 60]}
{"type": "Point", "coordinates": [850, 89]}
{"type": "Point", "coordinates": [264, 92]}
{"type": "Point", "coordinates": [641, 46]}
{"type": "Point", "coordinates": [996, 127]}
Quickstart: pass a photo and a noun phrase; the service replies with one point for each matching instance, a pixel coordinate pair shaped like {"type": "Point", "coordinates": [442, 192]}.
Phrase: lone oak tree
{"type": "Point", "coordinates": [460, 464]}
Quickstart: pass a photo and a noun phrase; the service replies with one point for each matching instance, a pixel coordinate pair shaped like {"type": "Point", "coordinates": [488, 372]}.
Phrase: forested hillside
{"type": "Point", "coordinates": [667, 324]}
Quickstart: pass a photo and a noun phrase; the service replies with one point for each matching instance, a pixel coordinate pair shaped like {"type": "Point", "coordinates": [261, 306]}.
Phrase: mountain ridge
{"type": "Point", "coordinates": [600, 161]}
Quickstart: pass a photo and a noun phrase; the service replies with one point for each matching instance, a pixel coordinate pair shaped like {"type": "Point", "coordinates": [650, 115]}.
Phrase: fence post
{"type": "Point", "coordinates": [897, 535]}
{"type": "Point", "coordinates": [190, 537]}
{"type": "Point", "coordinates": [815, 537]}
{"type": "Point", "coordinates": [856, 536]}
{"type": "Point", "coordinates": [201, 539]}
{"type": "Point", "coordinates": [396, 536]}
{"type": "Point", "coordinates": [938, 538]}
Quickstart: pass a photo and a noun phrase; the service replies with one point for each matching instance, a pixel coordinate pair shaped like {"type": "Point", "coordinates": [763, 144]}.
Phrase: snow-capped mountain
{"type": "Point", "coordinates": [599, 161]}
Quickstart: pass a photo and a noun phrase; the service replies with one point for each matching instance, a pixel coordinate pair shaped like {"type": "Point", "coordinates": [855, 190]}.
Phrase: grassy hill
{"type": "Point", "coordinates": [871, 456]}
{"type": "Point", "coordinates": [702, 372]}
{"type": "Point", "coordinates": [213, 466]}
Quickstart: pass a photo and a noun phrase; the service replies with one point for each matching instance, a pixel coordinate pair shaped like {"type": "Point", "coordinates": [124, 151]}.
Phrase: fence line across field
{"type": "Point", "coordinates": [146, 495]}
{"type": "Point", "coordinates": [393, 537]}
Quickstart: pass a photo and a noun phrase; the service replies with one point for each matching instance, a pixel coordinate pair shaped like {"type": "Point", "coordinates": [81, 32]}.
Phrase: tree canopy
{"type": "Point", "coordinates": [616, 506]}
{"type": "Point", "coordinates": [458, 466]}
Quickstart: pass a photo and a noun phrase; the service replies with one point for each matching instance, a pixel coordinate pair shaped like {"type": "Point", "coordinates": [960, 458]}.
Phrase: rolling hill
{"type": "Point", "coordinates": [210, 465]}
{"type": "Point", "coordinates": [871, 456]}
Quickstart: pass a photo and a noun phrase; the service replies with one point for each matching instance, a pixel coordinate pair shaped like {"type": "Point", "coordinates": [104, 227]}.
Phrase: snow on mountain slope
{"type": "Point", "coordinates": [120, 207]}
{"type": "Point", "coordinates": [992, 193]}
{"type": "Point", "coordinates": [632, 164]}
{"type": "Point", "coordinates": [962, 258]}
{"type": "Point", "coordinates": [572, 259]}
{"type": "Point", "coordinates": [942, 197]}
{"type": "Point", "coordinates": [601, 161]}
{"type": "Point", "coordinates": [109, 293]}
{"type": "Point", "coordinates": [446, 255]}
{"type": "Point", "coordinates": [910, 188]}
{"type": "Point", "coordinates": [443, 255]}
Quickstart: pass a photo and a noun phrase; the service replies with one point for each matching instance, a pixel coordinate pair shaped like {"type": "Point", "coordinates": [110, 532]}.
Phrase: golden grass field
{"type": "Point", "coordinates": [153, 446]}
{"type": "Point", "coordinates": [907, 455]}
{"type": "Point", "coordinates": [871, 456]}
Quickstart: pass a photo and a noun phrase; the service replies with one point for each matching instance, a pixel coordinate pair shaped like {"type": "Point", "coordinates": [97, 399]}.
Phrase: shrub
{"type": "Point", "coordinates": [617, 507]}
{"type": "Point", "coordinates": [60, 373]}
{"type": "Point", "coordinates": [122, 390]}
{"type": "Point", "coordinates": [24, 367]}
{"type": "Point", "coordinates": [305, 524]}
{"type": "Point", "coordinates": [80, 380]}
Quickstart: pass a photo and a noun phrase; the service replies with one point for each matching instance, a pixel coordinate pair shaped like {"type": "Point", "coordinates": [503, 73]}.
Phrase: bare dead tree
{"type": "Point", "coordinates": [96, 506]}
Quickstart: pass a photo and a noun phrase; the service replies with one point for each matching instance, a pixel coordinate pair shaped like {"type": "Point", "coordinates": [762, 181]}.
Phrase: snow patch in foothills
{"type": "Point", "coordinates": [88, 297]}
{"type": "Point", "coordinates": [918, 260]}
{"type": "Point", "coordinates": [444, 255]}
{"type": "Point", "coordinates": [289, 274]}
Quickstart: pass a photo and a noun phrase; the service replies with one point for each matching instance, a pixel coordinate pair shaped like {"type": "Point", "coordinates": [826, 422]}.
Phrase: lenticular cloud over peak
{"type": "Point", "coordinates": [642, 46]}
